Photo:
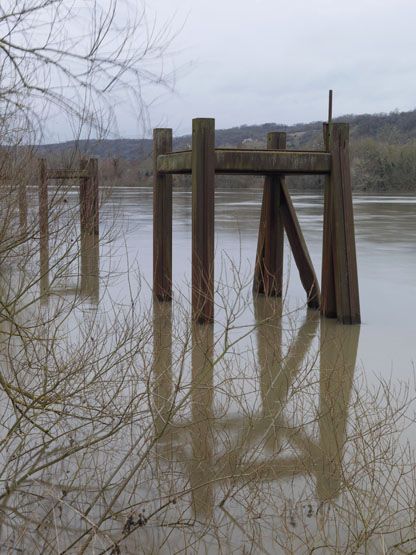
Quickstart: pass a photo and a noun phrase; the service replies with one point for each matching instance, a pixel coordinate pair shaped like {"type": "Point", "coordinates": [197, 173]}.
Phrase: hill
{"type": "Point", "coordinates": [383, 149]}
{"type": "Point", "coordinates": [395, 127]}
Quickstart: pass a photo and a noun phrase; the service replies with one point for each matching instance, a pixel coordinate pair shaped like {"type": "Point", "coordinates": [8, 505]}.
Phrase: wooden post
{"type": "Point", "coordinates": [330, 96]}
{"type": "Point", "coordinates": [88, 197]}
{"type": "Point", "coordinates": [43, 227]}
{"type": "Point", "coordinates": [162, 219]}
{"type": "Point", "coordinates": [268, 273]}
{"type": "Point", "coordinates": [203, 184]}
{"type": "Point", "coordinates": [339, 238]}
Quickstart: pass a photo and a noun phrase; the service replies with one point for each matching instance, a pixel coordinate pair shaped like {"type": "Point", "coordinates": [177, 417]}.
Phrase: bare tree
{"type": "Point", "coordinates": [78, 56]}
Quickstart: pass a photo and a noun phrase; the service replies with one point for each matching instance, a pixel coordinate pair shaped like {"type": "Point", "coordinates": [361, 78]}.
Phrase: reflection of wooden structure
{"type": "Point", "coordinates": [271, 431]}
{"type": "Point", "coordinates": [87, 175]}
{"type": "Point", "coordinates": [340, 296]}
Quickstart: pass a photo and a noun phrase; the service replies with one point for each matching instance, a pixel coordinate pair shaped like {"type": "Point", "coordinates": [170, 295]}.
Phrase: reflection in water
{"type": "Point", "coordinates": [162, 365]}
{"type": "Point", "coordinates": [228, 450]}
{"type": "Point", "coordinates": [44, 263]}
{"type": "Point", "coordinates": [338, 351]}
{"type": "Point", "coordinates": [266, 447]}
{"type": "Point", "coordinates": [202, 469]}
{"type": "Point", "coordinates": [277, 373]}
{"type": "Point", "coordinates": [89, 255]}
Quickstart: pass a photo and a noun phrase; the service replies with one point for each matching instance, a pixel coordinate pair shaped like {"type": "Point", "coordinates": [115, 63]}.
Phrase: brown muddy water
{"type": "Point", "coordinates": [385, 228]}
{"type": "Point", "coordinates": [272, 431]}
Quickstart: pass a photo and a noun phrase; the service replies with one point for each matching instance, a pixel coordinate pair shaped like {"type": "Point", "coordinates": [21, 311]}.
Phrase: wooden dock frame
{"type": "Point", "coordinates": [340, 295]}
{"type": "Point", "coordinates": [89, 213]}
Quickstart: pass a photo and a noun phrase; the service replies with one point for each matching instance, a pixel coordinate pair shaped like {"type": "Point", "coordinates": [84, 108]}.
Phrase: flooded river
{"type": "Point", "coordinates": [385, 227]}
{"type": "Point", "coordinates": [128, 429]}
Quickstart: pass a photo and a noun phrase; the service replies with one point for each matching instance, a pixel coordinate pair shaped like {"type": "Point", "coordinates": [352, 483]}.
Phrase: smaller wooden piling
{"type": "Point", "coordinates": [162, 219]}
{"type": "Point", "coordinates": [268, 273]}
{"type": "Point", "coordinates": [339, 255]}
{"type": "Point", "coordinates": [88, 197]}
{"type": "Point", "coordinates": [43, 226]}
{"type": "Point", "coordinates": [203, 184]}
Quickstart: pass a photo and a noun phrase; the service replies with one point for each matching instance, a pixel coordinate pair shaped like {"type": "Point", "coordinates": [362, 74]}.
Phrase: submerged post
{"type": "Point", "coordinates": [340, 296]}
{"type": "Point", "coordinates": [162, 219]}
{"type": "Point", "coordinates": [203, 183]}
{"type": "Point", "coordinates": [88, 197]}
{"type": "Point", "coordinates": [90, 266]}
{"type": "Point", "coordinates": [268, 273]}
{"type": "Point", "coordinates": [43, 227]}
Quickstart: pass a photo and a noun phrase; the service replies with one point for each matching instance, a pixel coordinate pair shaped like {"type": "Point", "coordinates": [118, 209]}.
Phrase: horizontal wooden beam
{"type": "Point", "coordinates": [175, 162]}
{"type": "Point", "coordinates": [67, 174]}
{"type": "Point", "coordinates": [252, 162]}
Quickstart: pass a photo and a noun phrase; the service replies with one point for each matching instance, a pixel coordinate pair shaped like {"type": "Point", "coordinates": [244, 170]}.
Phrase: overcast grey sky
{"type": "Point", "coordinates": [256, 61]}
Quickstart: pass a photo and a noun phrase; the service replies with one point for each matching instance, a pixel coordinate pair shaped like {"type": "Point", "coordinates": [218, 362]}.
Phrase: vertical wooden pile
{"type": "Point", "coordinates": [43, 227]}
{"type": "Point", "coordinates": [162, 219]}
{"type": "Point", "coordinates": [89, 224]}
{"type": "Point", "coordinates": [203, 184]}
{"type": "Point", "coordinates": [340, 296]}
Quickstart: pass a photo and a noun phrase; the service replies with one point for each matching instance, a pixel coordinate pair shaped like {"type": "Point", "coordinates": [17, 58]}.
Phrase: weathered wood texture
{"type": "Point", "coordinates": [339, 238]}
{"type": "Point", "coordinates": [43, 227]}
{"type": "Point", "coordinates": [203, 182]}
{"type": "Point", "coordinates": [88, 196]}
{"type": "Point", "coordinates": [340, 296]}
{"type": "Point", "coordinates": [268, 272]}
{"type": "Point", "coordinates": [251, 162]}
{"type": "Point", "coordinates": [162, 219]}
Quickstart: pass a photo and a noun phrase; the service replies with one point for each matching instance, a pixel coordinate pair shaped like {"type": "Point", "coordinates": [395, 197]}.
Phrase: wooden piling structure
{"type": "Point", "coordinates": [162, 219]}
{"type": "Point", "coordinates": [203, 184]}
{"type": "Point", "coordinates": [340, 296]}
{"type": "Point", "coordinates": [89, 222]}
{"type": "Point", "coordinates": [43, 226]}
